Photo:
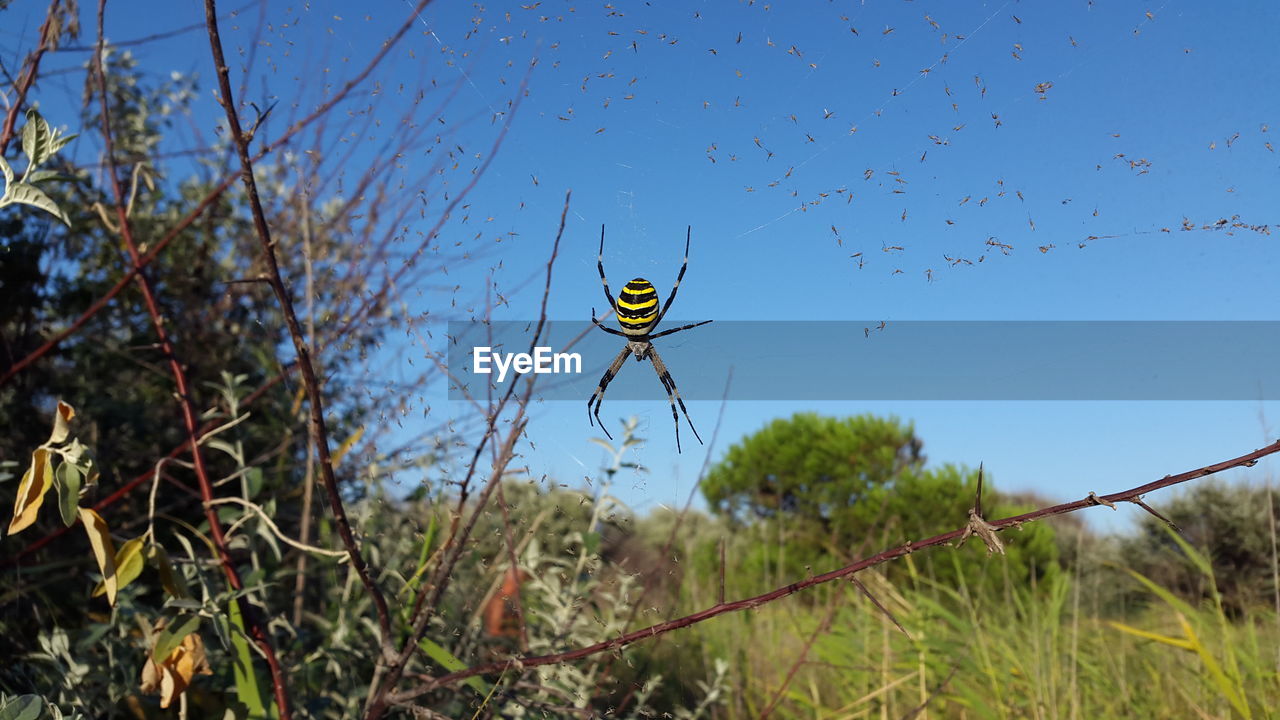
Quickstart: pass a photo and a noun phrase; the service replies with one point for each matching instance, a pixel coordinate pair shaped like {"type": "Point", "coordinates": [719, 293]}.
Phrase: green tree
{"type": "Point", "coordinates": [820, 492]}
{"type": "Point", "coordinates": [832, 472]}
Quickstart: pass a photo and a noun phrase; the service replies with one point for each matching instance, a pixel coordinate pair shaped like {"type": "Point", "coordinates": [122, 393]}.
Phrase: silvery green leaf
{"type": "Point", "coordinates": [31, 195]}
{"type": "Point", "coordinates": [8, 172]}
{"type": "Point", "coordinates": [23, 707]}
{"type": "Point", "coordinates": [224, 446]}
{"type": "Point", "coordinates": [42, 175]}
{"type": "Point", "coordinates": [56, 143]}
{"type": "Point", "coordinates": [39, 141]}
{"type": "Point", "coordinates": [35, 138]}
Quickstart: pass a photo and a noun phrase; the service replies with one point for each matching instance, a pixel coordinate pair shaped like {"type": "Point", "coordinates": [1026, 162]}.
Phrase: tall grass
{"type": "Point", "coordinates": [1063, 649]}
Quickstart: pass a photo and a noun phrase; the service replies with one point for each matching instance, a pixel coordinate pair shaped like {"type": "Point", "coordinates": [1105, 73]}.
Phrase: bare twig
{"type": "Point", "coordinates": [720, 594]}
{"type": "Point", "coordinates": [275, 529]}
{"type": "Point", "coordinates": [979, 526]}
{"type": "Point", "coordinates": [915, 711]}
{"type": "Point", "coordinates": [309, 474]}
{"type": "Point", "coordinates": [319, 432]}
{"type": "Point", "coordinates": [429, 683]}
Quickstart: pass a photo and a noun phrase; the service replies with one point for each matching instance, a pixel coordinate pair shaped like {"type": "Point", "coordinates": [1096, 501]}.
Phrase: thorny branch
{"type": "Point", "coordinates": [432, 683]}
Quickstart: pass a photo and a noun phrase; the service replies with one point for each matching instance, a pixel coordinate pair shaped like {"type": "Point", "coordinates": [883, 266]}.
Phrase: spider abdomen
{"type": "Point", "coordinates": [637, 307]}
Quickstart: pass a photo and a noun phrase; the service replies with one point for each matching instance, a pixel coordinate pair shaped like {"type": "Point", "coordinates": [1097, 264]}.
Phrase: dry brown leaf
{"type": "Point", "coordinates": [36, 481]}
{"type": "Point", "coordinates": [103, 549]}
{"type": "Point", "coordinates": [173, 676]}
{"type": "Point", "coordinates": [62, 423]}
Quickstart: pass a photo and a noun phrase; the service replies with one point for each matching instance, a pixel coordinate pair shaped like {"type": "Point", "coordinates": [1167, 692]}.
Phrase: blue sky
{"type": "Point", "coordinates": [1157, 113]}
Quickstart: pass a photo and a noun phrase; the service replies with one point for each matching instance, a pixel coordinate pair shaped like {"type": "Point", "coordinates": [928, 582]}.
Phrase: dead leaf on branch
{"type": "Point", "coordinates": [103, 550]}
{"type": "Point", "coordinates": [36, 481]}
{"type": "Point", "coordinates": [62, 423]}
{"type": "Point", "coordinates": [173, 675]}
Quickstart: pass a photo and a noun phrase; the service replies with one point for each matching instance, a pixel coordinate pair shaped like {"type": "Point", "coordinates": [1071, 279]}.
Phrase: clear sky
{"type": "Point", "coordinates": [967, 150]}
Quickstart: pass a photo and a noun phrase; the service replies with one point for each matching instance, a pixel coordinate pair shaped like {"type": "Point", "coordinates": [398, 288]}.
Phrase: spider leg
{"type": "Point", "coordinates": [609, 330]}
{"type": "Point", "coordinates": [683, 266]}
{"type": "Point", "coordinates": [608, 294]}
{"type": "Point", "coordinates": [676, 330]}
{"type": "Point", "coordinates": [673, 396]}
{"type": "Point", "coordinates": [597, 397]}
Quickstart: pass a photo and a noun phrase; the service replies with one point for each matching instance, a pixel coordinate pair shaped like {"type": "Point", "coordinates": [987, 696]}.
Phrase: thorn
{"type": "Point", "coordinates": [854, 579]}
{"type": "Point", "coordinates": [977, 501]}
{"type": "Point", "coordinates": [1138, 501]}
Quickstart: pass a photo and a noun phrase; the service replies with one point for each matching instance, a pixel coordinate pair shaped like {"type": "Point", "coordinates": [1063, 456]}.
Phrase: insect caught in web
{"type": "Point", "coordinates": [636, 308]}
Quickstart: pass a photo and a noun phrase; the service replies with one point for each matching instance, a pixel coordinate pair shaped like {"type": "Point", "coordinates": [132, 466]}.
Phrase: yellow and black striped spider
{"type": "Point", "coordinates": [637, 311]}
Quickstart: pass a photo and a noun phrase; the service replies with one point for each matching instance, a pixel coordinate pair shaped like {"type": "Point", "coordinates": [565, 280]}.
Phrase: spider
{"type": "Point", "coordinates": [637, 310]}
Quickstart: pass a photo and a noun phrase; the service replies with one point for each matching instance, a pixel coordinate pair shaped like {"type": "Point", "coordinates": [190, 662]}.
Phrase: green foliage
{"type": "Point", "coordinates": [1231, 524]}
{"type": "Point", "coordinates": [40, 143]}
{"type": "Point", "coordinates": [578, 598]}
{"type": "Point", "coordinates": [228, 339]}
{"type": "Point", "coordinates": [824, 492]}
{"type": "Point", "coordinates": [32, 707]}
{"type": "Point", "coordinates": [828, 471]}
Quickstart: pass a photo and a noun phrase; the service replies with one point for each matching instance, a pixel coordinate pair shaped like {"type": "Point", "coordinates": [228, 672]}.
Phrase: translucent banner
{"type": "Point", "coordinates": [860, 360]}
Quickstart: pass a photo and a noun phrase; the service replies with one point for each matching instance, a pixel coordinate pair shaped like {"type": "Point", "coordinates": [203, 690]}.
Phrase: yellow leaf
{"type": "Point", "coordinates": [345, 446]}
{"type": "Point", "coordinates": [103, 549]}
{"type": "Point", "coordinates": [36, 481]}
{"type": "Point", "coordinates": [61, 423]}
{"type": "Point", "coordinates": [129, 562]}
{"type": "Point", "coordinates": [1176, 642]}
{"type": "Point", "coordinates": [172, 676]}
{"type": "Point", "coordinates": [173, 583]}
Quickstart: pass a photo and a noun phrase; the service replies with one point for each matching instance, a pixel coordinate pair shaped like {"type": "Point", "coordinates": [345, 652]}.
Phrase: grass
{"type": "Point", "coordinates": [1065, 649]}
